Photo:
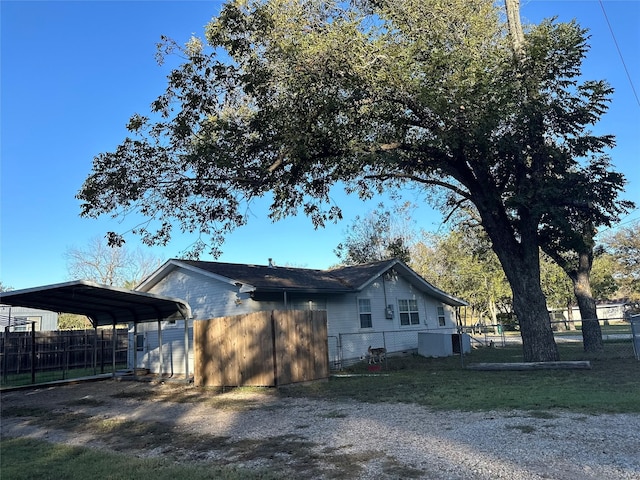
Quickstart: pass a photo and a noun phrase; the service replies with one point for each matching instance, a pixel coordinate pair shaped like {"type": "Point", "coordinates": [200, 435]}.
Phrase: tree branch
{"type": "Point", "coordinates": [424, 181]}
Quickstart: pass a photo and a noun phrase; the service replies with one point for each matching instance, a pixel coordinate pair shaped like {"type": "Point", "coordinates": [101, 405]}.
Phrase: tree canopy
{"type": "Point", "coordinates": [292, 98]}
{"type": "Point", "coordinates": [623, 246]}
{"type": "Point", "coordinates": [462, 263]}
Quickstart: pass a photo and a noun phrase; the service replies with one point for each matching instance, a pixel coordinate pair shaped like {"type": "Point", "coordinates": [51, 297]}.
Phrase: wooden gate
{"type": "Point", "coordinates": [261, 349]}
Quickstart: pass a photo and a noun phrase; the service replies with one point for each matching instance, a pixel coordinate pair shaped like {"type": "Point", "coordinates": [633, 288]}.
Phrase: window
{"type": "Point", "coordinates": [23, 324]}
{"type": "Point", "coordinates": [308, 303]}
{"type": "Point", "coordinates": [408, 310]}
{"type": "Point", "coordinates": [364, 309]}
{"type": "Point", "coordinates": [442, 320]}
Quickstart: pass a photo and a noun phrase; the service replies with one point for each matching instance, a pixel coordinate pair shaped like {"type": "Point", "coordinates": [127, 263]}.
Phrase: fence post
{"type": "Point", "coordinates": [65, 358]}
{"type": "Point", "coordinates": [95, 350]}
{"type": "Point", "coordinates": [33, 352]}
{"type": "Point", "coordinates": [101, 351]}
{"type": "Point", "coordinates": [5, 359]}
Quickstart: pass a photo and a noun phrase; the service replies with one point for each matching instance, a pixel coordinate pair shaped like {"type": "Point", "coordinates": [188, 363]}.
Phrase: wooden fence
{"type": "Point", "coordinates": [261, 349]}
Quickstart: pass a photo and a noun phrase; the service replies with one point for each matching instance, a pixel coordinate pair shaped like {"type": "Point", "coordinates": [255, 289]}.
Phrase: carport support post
{"type": "Point", "coordinates": [114, 340]}
{"type": "Point", "coordinates": [160, 347]}
{"type": "Point", "coordinates": [95, 350]}
{"type": "Point", "coordinates": [186, 350]}
{"type": "Point", "coordinates": [135, 348]}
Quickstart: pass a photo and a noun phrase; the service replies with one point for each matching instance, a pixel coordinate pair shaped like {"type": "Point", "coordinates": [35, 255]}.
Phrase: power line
{"type": "Point", "coordinates": [620, 53]}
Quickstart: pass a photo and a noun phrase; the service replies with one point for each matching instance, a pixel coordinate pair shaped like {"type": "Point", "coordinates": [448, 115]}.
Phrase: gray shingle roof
{"type": "Point", "coordinates": [266, 278]}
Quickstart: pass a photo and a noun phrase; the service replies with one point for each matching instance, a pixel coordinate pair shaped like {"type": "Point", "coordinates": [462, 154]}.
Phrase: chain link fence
{"type": "Point", "coordinates": [617, 335]}
{"type": "Point", "coordinates": [621, 338]}
{"type": "Point", "coordinates": [347, 349]}
{"type": "Point", "coordinates": [29, 357]}
{"type": "Point", "coordinates": [635, 333]}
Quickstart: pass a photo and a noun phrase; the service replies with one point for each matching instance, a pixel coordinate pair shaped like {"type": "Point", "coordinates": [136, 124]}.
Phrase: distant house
{"type": "Point", "coordinates": [610, 311]}
{"type": "Point", "coordinates": [21, 319]}
{"type": "Point", "coordinates": [383, 303]}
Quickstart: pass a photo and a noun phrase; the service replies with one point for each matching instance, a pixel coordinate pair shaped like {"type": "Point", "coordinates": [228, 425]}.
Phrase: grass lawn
{"type": "Point", "coordinates": [16, 380]}
{"type": "Point", "coordinates": [26, 459]}
{"type": "Point", "coordinates": [612, 385]}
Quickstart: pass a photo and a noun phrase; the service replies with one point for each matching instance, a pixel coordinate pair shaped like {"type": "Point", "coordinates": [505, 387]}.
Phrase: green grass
{"type": "Point", "coordinates": [611, 328]}
{"type": "Point", "coordinates": [26, 459]}
{"type": "Point", "coordinates": [612, 385]}
{"type": "Point", "coordinates": [16, 380]}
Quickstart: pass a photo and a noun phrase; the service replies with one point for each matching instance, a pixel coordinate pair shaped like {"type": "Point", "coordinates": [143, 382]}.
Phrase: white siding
{"type": "Point", "coordinates": [344, 320]}
{"type": "Point", "coordinates": [45, 320]}
{"type": "Point", "coordinates": [172, 349]}
{"type": "Point", "coordinates": [207, 297]}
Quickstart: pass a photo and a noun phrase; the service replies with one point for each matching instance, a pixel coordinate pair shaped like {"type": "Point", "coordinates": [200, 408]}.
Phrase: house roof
{"type": "Point", "coordinates": [269, 278]}
{"type": "Point", "coordinates": [104, 305]}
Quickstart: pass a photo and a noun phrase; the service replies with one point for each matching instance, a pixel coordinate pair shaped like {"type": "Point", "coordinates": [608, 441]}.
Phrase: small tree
{"type": "Point", "coordinates": [71, 321]}
{"type": "Point", "coordinates": [382, 234]}
{"type": "Point", "coordinates": [108, 265]}
{"type": "Point", "coordinates": [624, 247]}
{"type": "Point", "coordinates": [603, 282]}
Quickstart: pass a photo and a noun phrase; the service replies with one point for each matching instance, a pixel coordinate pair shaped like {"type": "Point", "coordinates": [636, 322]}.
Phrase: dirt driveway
{"type": "Point", "coordinates": [304, 438]}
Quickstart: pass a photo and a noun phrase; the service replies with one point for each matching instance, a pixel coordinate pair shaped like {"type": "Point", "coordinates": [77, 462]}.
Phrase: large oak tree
{"type": "Point", "coordinates": [291, 98]}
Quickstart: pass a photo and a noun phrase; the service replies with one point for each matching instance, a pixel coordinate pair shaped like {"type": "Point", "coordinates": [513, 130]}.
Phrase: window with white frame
{"type": "Point", "coordinates": [364, 309]}
{"type": "Point", "coordinates": [408, 310]}
{"type": "Point", "coordinates": [442, 320]}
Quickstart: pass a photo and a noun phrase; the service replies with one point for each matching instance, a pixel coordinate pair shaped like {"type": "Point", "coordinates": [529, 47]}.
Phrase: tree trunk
{"type": "Point", "coordinates": [570, 319]}
{"type": "Point", "coordinates": [591, 331]}
{"type": "Point", "coordinates": [520, 261]}
{"type": "Point", "coordinates": [529, 304]}
{"type": "Point", "coordinates": [493, 310]}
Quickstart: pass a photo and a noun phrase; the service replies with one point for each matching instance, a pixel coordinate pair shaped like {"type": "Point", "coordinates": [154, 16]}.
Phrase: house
{"type": "Point", "coordinates": [383, 303]}
{"type": "Point", "coordinates": [613, 311]}
{"type": "Point", "coordinates": [21, 319]}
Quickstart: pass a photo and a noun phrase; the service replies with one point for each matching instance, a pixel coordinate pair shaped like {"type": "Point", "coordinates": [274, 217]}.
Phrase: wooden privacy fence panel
{"type": "Point", "coordinates": [301, 347]}
{"type": "Point", "coordinates": [261, 349]}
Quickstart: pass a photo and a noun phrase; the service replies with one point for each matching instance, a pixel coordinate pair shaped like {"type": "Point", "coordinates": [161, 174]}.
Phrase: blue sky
{"type": "Point", "coordinates": [73, 72]}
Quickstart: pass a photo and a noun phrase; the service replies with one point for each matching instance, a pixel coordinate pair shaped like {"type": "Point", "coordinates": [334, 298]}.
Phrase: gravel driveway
{"type": "Point", "coordinates": [305, 438]}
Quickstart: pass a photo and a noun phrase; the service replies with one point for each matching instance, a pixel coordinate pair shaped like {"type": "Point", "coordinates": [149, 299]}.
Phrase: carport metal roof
{"type": "Point", "coordinates": [103, 304]}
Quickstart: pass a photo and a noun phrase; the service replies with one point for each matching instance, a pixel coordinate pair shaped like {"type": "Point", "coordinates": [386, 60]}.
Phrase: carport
{"type": "Point", "coordinates": [106, 306]}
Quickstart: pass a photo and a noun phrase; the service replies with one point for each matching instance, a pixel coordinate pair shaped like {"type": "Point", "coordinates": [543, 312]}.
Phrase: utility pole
{"type": "Point", "coordinates": [515, 28]}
